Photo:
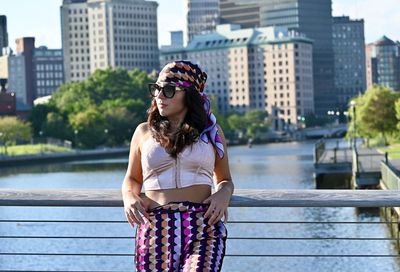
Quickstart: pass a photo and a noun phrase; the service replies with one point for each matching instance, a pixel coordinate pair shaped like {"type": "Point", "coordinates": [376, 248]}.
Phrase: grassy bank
{"type": "Point", "coordinates": [33, 149]}
{"type": "Point", "coordinates": [393, 151]}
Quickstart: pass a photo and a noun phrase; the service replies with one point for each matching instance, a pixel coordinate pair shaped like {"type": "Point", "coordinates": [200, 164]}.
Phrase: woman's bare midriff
{"type": "Point", "coordinates": [194, 193]}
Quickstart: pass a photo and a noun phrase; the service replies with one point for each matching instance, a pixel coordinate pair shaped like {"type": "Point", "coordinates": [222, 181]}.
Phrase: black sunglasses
{"type": "Point", "coordinates": [168, 90]}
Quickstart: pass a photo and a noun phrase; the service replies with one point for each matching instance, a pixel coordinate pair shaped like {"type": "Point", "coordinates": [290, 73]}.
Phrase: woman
{"type": "Point", "coordinates": [176, 156]}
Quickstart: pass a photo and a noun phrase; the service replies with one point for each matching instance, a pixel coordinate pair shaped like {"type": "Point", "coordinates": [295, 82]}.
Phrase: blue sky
{"type": "Point", "coordinates": [41, 18]}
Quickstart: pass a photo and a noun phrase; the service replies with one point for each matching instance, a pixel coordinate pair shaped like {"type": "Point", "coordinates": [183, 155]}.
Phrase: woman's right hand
{"type": "Point", "coordinates": [135, 209]}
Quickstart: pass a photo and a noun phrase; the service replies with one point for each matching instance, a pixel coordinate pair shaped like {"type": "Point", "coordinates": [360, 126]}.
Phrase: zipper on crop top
{"type": "Point", "coordinates": [177, 174]}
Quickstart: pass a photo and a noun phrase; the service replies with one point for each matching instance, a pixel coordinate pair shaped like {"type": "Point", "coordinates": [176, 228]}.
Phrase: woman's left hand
{"type": "Point", "coordinates": [219, 202]}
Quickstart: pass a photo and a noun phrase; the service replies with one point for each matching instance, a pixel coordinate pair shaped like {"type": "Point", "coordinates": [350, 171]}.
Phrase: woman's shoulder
{"type": "Point", "coordinates": [143, 128]}
{"type": "Point", "coordinates": [142, 132]}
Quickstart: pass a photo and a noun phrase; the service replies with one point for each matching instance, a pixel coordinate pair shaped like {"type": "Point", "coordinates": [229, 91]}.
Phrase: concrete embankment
{"type": "Point", "coordinates": [63, 157]}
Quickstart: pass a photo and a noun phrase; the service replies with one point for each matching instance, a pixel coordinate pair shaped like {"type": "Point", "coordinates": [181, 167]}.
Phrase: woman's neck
{"type": "Point", "coordinates": [175, 123]}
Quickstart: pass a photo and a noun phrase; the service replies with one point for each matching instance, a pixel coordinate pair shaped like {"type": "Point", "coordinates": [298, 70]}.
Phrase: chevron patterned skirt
{"type": "Point", "coordinates": [178, 238]}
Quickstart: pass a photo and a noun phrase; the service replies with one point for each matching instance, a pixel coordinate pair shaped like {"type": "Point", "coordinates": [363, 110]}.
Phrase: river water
{"type": "Point", "coordinates": [269, 166]}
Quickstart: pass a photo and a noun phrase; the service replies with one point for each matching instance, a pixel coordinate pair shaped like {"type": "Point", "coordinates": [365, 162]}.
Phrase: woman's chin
{"type": "Point", "coordinates": [163, 113]}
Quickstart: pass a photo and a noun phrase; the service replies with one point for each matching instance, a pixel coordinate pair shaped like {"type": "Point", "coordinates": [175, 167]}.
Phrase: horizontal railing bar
{"type": "Point", "coordinates": [317, 238]}
{"type": "Point", "coordinates": [30, 270]}
{"type": "Point", "coordinates": [227, 255]}
{"type": "Point", "coordinates": [241, 198]}
{"type": "Point", "coordinates": [304, 255]}
{"type": "Point", "coordinates": [230, 238]}
{"type": "Point", "coordinates": [63, 221]}
{"type": "Point", "coordinates": [229, 222]}
{"type": "Point", "coordinates": [312, 222]}
{"type": "Point", "coordinates": [67, 254]}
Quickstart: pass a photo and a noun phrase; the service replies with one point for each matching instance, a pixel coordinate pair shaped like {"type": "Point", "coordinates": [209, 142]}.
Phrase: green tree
{"type": "Point", "coordinates": [250, 123]}
{"type": "Point", "coordinates": [256, 122]}
{"type": "Point", "coordinates": [375, 112]}
{"type": "Point", "coordinates": [90, 125]}
{"type": "Point", "coordinates": [111, 102]}
{"type": "Point", "coordinates": [397, 109]}
{"type": "Point", "coordinates": [237, 123]}
{"type": "Point", "coordinates": [221, 119]}
{"type": "Point", "coordinates": [12, 130]}
{"type": "Point", "coordinates": [38, 117]}
{"type": "Point", "coordinates": [121, 119]}
{"type": "Point", "coordinates": [56, 125]}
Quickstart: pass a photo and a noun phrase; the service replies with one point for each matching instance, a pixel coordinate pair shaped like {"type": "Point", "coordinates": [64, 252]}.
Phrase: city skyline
{"type": "Point", "coordinates": [47, 29]}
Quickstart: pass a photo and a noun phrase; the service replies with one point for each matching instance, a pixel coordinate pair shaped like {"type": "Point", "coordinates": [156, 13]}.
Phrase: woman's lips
{"type": "Point", "coordinates": [162, 105]}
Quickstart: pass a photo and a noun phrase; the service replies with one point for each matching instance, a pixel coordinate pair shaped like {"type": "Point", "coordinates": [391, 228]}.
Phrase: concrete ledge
{"type": "Point", "coordinates": [63, 157]}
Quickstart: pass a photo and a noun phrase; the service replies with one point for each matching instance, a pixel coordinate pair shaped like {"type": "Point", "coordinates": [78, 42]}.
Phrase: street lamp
{"type": "Point", "coordinates": [41, 141]}
{"type": "Point", "coordinates": [106, 134]}
{"type": "Point", "coordinates": [353, 106]}
{"type": "Point", "coordinates": [1, 141]}
{"type": "Point", "coordinates": [76, 138]}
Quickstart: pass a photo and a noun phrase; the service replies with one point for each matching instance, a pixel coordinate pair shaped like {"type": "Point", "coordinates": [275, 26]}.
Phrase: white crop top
{"type": "Point", "coordinates": [194, 165]}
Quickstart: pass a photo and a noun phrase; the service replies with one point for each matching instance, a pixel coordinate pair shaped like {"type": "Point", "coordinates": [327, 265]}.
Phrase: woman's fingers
{"type": "Point", "coordinates": [215, 217]}
{"type": "Point", "coordinates": [131, 217]}
{"type": "Point", "coordinates": [134, 215]}
{"type": "Point", "coordinates": [138, 216]}
{"type": "Point", "coordinates": [210, 210]}
{"type": "Point", "coordinates": [142, 210]}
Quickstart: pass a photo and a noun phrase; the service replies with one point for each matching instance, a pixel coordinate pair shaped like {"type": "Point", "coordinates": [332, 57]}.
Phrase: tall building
{"type": "Point", "coordinates": [383, 63]}
{"type": "Point", "coordinates": [97, 34]}
{"type": "Point", "coordinates": [349, 50]}
{"type": "Point", "coordinates": [31, 72]}
{"type": "Point", "coordinates": [245, 13]}
{"type": "Point", "coordinates": [3, 33]}
{"type": "Point", "coordinates": [25, 47]}
{"type": "Point", "coordinates": [314, 19]}
{"type": "Point", "coordinates": [12, 69]}
{"type": "Point", "coordinates": [48, 72]}
{"type": "Point", "coordinates": [257, 68]}
{"type": "Point", "coordinates": [75, 39]}
{"type": "Point", "coordinates": [202, 16]}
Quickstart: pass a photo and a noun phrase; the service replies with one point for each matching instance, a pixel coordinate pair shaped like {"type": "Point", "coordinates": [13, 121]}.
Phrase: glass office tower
{"type": "Point", "coordinates": [314, 19]}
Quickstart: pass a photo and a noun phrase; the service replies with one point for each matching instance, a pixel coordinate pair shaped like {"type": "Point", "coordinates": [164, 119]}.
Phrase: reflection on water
{"type": "Point", "coordinates": [276, 166]}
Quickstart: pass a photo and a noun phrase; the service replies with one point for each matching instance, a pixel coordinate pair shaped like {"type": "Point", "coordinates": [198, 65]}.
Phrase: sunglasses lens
{"type": "Point", "coordinates": [169, 91]}
{"type": "Point", "coordinates": [153, 90]}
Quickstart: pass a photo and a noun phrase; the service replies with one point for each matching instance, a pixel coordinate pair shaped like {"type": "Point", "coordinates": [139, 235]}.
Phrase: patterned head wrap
{"type": "Point", "coordinates": [186, 74]}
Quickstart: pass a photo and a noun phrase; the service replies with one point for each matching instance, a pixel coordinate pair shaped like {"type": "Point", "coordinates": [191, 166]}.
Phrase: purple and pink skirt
{"type": "Point", "coordinates": [178, 238]}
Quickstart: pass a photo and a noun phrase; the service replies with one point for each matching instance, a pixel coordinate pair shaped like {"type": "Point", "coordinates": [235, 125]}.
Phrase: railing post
{"type": "Point", "coordinates": [334, 155]}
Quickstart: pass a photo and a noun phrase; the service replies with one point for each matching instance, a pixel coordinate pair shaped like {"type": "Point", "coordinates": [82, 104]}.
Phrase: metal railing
{"type": "Point", "coordinates": [390, 179]}
{"type": "Point", "coordinates": [319, 149]}
{"type": "Point", "coordinates": [367, 162]}
{"type": "Point", "coordinates": [241, 198]}
{"type": "Point", "coordinates": [331, 152]}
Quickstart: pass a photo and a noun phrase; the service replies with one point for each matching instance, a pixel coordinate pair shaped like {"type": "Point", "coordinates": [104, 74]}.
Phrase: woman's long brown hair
{"type": "Point", "coordinates": [193, 124]}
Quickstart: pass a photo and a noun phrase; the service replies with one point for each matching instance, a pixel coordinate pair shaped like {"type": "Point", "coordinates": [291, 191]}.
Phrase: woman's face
{"type": "Point", "coordinates": [172, 108]}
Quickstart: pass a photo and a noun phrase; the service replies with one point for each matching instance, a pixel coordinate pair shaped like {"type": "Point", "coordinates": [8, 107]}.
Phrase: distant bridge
{"type": "Point", "coordinates": [337, 131]}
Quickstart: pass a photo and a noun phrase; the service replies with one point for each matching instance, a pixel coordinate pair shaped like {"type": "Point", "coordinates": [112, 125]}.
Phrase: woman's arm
{"type": "Point", "coordinates": [132, 184]}
{"type": "Point", "coordinates": [219, 201]}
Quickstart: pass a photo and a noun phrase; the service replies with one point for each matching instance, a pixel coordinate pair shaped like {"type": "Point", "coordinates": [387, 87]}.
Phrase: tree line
{"type": "Point", "coordinates": [104, 109]}
{"type": "Point", "coordinates": [376, 115]}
